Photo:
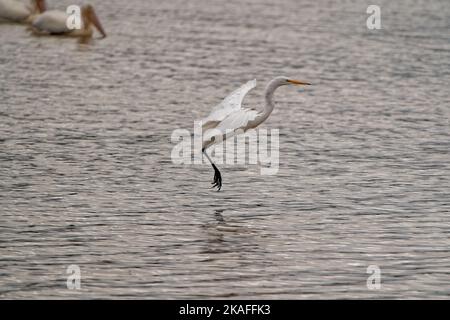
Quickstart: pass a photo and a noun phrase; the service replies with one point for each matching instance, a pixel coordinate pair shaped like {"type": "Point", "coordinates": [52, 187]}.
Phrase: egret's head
{"type": "Point", "coordinates": [283, 81]}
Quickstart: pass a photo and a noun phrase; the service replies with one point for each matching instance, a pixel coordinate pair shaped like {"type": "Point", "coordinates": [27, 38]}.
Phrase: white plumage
{"type": "Point", "coordinates": [17, 11]}
{"type": "Point", "coordinates": [52, 21]}
{"type": "Point", "coordinates": [229, 118]}
{"type": "Point", "coordinates": [231, 103]}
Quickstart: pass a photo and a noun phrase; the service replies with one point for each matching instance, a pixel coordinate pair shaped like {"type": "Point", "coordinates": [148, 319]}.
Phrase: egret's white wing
{"type": "Point", "coordinates": [53, 21]}
{"type": "Point", "coordinates": [235, 123]}
{"type": "Point", "coordinates": [228, 105]}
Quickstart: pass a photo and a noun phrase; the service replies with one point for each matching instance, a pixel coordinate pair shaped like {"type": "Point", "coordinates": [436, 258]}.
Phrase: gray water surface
{"type": "Point", "coordinates": [86, 176]}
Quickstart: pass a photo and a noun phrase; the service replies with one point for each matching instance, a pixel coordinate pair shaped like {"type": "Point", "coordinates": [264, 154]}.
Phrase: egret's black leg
{"type": "Point", "coordinates": [217, 180]}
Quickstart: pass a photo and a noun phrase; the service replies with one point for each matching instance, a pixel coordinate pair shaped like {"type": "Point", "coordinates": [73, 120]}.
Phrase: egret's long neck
{"type": "Point", "coordinates": [268, 97]}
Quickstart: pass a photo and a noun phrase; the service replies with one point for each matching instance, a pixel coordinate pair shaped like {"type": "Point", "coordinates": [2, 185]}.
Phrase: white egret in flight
{"type": "Point", "coordinates": [54, 22]}
{"type": "Point", "coordinates": [229, 118]}
{"type": "Point", "coordinates": [16, 11]}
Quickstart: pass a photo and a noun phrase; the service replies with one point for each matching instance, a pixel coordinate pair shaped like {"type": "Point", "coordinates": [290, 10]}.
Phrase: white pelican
{"type": "Point", "coordinates": [228, 118]}
{"type": "Point", "coordinates": [16, 11]}
{"type": "Point", "coordinates": [54, 22]}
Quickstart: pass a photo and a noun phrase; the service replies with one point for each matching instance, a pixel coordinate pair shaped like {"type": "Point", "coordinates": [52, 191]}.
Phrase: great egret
{"type": "Point", "coordinates": [228, 118]}
{"type": "Point", "coordinates": [16, 11]}
{"type": "Point", "coordinates": [54, 22]}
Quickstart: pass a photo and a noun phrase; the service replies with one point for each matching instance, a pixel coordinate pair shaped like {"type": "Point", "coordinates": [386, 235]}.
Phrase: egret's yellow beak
{"type": "Point", "coordinates": [299, 83]}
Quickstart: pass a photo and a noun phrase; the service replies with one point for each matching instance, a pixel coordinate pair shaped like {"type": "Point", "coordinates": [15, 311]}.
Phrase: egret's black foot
{"type": "Point", "coordinates": [217, 178]}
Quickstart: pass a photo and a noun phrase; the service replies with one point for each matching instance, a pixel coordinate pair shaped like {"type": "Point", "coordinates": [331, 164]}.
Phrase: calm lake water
{"type": "Point", "coordinates": [86, 176]}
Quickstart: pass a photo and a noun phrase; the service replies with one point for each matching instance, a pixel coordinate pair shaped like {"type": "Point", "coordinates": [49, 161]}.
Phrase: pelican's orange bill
{"type": "Point", "coordinates": [95, 20]}
{"type": "Point", "coordinates": [300, 83]}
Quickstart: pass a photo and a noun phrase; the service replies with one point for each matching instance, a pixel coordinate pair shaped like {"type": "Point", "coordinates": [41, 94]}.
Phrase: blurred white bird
{"type": "Point", "coordinates": [54, 22]}
{"type": "Point", "coordinates": [228, 118]}
{"type": "Point", "coordinates": [16, 11]}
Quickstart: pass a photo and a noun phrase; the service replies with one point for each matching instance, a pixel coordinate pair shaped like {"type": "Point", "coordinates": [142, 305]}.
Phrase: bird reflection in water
{"type": "Point", "coordinates": [227, 237]}
{"type": "Point", "coordinates": [218, 216]}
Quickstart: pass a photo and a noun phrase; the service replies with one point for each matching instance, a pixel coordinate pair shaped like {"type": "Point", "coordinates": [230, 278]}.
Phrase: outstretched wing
{"type": "Point", "coordinates": [235, 123]}
{"type": "Point", "coordinates": [230, 104]}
